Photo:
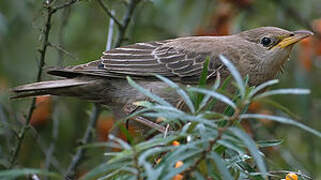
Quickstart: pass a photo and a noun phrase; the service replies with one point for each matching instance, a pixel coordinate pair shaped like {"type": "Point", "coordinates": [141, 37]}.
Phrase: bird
{"type": "Point", "coordinates": [259, 53]}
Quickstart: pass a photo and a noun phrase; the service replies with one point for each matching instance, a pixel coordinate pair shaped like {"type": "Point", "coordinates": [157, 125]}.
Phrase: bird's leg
{"type": "Point", "coordinates": [131, 108]}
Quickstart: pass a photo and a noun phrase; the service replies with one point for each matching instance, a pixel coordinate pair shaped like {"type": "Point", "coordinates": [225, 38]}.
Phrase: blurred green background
{"type": "Point", "coordinates": [81, 31]}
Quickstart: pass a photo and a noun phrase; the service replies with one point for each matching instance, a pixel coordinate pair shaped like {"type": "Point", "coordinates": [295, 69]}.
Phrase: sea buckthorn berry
{"type": "Point", "coordinates": [179, 164]}
{"type": "Point", "coordinates": [291, 176]}
{"type": "Point", "coordinates": [175, 143]}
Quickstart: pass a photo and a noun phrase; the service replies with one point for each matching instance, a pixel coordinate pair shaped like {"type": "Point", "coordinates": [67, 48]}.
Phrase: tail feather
{"type": "Point", "coordinates": [46, 87]}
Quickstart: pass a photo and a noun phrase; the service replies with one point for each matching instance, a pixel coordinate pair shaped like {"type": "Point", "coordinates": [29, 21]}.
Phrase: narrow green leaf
{"type": "Point", "coordinates": [250, 144]}
{"type": "Point", "coordinates": [282, 91]}
{"type": "Point", "coordinates": [121, 142]}
{"type": "Point", "coordinates": [233, 161]}
{"type": "Point", "coordinates": [101, 144]}
{"type": "Point", "coordinates": [104, 169]}
{"type": "Point", "coordinates": [142, 160]}
{"type": "Point", "coordinates": [216, 95]}
{"type": "Point", "coordinates": [262, 86]}
{"type": "Point", "coordinates": [213, 88]}
{"type": "Point", "coordinates": [282, 120]}
{"type": "Point", "coordinates": [236, 75]}
{"type": "Point", "coordinates": [147, 92]}
{"type": "Point", "coordinates": [224, 85]}
{"type": "Point", "coordinates": [179, 91]}
{"type": "Point", "coordinates": [204, 74]}
{"type": "Point", "coordinates": [280, 107]}
{"type": "Point", "coordinates": [221, 165]}
{"type": "Point", "coordinates": [230, 145]}
{"type": "Point", "coordinates": [146, 104]}
{"type": "Point", "coordinates": [13, 173]}
{"type": "Point", "coordinates": [269, 143]}
{"type": "Point", "coordinates": [198, 175]}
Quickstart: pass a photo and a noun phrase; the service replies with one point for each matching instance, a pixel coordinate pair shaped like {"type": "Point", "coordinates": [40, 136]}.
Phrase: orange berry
{"type": "Point", "coordinates": [158, 160]}
{"type": "Point", "coordinates": [179, 164]}
{"type": "Point", "coordinates": [255, 106]}
{"type": "Point", "coordinates": [291, 176]}
{"type": "Point", "coordinates": [175, 143]}
{"type": "Point", "coordinates": [178, 177]}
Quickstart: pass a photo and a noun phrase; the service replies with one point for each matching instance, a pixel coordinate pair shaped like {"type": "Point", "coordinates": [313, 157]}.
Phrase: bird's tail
{"type": "Point", "coordinates": [56, 87]}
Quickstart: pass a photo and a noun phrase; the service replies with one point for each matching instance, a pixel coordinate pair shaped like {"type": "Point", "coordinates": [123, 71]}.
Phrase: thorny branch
{"type": "Point", "coordinates": [43, 49]}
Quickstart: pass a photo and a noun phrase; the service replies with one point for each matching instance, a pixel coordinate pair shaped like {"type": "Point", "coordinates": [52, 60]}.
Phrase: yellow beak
{"type": "Point", "coordinates": [295, 37]}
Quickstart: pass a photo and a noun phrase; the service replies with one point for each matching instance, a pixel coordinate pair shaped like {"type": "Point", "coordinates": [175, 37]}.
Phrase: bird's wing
{"type": "Point", "coordinates": [145, 59]}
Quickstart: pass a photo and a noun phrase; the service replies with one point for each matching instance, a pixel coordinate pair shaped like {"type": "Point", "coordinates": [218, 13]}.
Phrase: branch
{"type": "Point", "coordinates": [127, 17]}
{"type": "Point", "coordinates": [43, 50]}
{"type": "Point", "coordinates": [109, 13]}
{"type": "Point", "coordinates": [62, 50]}
{"type": "Point", "coordinates": [70, 173]}
{"type": "Point", "coordinates": [150, 124]}
{"type": "Point", "coordinates": [69, 3]}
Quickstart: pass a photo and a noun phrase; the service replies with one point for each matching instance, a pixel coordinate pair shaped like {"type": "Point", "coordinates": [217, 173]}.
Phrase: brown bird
{"type": "Point", "coordinates": [259, 52]}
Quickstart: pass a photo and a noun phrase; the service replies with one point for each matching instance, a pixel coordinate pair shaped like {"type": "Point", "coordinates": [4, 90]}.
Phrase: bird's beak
{"type": "Point", "coordinates": [295, 37]}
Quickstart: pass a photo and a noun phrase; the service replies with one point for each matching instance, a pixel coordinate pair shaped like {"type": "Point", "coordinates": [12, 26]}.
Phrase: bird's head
{"type": "Point", "coordinates": [272, 46]}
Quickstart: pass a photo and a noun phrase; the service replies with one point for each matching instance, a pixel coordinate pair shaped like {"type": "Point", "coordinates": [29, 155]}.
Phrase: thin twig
{"type": "Point", "coordinates": [61, 49]}
{"type": "Point", "coordinates": [70, 173]}
{"type": "Point", "coordinates": [150, 124]}
{"type": "Point", "coordinates": [42, 51]}
{"type": "Point", "coordinates": [109, 13]}
{"type": "Point", "coordinates": [67, 4]}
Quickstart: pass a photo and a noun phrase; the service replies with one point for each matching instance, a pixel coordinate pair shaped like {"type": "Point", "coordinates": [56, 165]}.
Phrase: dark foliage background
{"type": "Point", "coordinates": [79, 34]}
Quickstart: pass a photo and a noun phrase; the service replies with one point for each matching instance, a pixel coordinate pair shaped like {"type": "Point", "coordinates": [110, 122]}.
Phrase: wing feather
{"type": "Point", "coordinates": [144, 59]}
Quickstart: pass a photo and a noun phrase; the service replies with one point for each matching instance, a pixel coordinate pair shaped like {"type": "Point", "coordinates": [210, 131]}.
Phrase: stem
{"type": "Point", "coordinates": [109, 13]}
{"type": "Point", "coordinates": [70, 173]}
{"type": "Point", "coordinates": [125, 22]}
{"type": "Point", "coordinates": [43, 50]}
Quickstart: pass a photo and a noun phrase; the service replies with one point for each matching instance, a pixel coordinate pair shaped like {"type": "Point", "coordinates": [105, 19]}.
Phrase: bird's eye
{"type": "Point", "coordinates": [266, 41]}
